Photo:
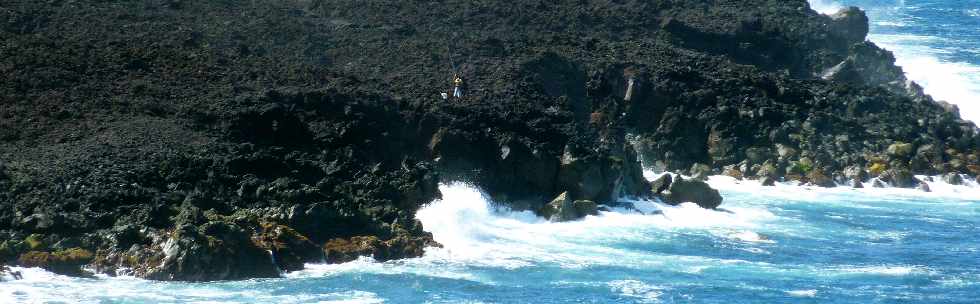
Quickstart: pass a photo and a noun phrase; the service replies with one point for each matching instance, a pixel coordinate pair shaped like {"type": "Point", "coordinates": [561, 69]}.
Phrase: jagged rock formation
{"type": "Point", "coordinates": [166, 136]}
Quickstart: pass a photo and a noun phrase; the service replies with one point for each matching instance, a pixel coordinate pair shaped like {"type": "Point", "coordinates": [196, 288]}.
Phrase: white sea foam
{"type": "Point", "coordinates": [969, 190]}
{"type": "Point", "coordinates": [39, 286]}
{"type": "Point", "coordinates": [475, 232]}
{"type": "Point", "coordinates": [825, 7]}
{"type": "Point", "coordinates": [642, 292]}
{"type": "Point", "coordinates": [954, 82]}
{"type": "Point", "coordinates": [807, 293]}
{"type": "Point", "coordinates": [882, 270]}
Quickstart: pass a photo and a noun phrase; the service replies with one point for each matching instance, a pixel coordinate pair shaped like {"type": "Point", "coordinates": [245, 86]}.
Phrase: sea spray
{"type": "Point", "coordinates": [934, 43]}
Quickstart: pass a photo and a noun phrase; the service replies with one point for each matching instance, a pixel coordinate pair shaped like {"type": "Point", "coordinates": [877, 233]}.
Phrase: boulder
{"type": "Point", "coordinates": [924, 187]}
{"type": "Point", "coordinates": [563, 209]}
{"type": "Point", "coordinates": [757, 155]}
{"type": "Point", "coordinates": [974, 169]}
{"type": "Point", "coordinates": [876, 169]}
{"type": "Point", "coordinates": [851, 24]}
{"type": "Point", "coordinates": [733, 171]}
{"type": "Point", "coordinates": [953, 178]}
{"type": "Point", "coordinates": [695, 191]}
{"type": "Point", "coordinates": [877, 183]}
{"type": "Point", "coordinates": [856, 184]}
{"type": "Point", "coordinates": [661, 183]}
{"type": "Point", "coordinates": [66, 262]}
{"type": "Point", "coordinates": [216, 250]}
{"type": "Point", "coordinates": [342, 250]}
{"type": "Point", "coordinates": [289, 248]}
{"type": "Point", "coordinates": [900, 150]}
{"type": "Point", "coordinates": [856, 173]}
{"type": "Point", "coordinates": [700, 171]}
{"type": "Point", "coordinates": [601, 177]}
{"type": "Point", "coordinates": [900, 178]}
{"type": "Point", "coordinates": [928, 159]}
{"type": "Point", "coordinates": [816, 177]}
{"type": "Point", "coordinates": [785, 152]}
{"type": "Point", "coordinates": [767, 169]}
{"type": "Point", "coordinates": [402, 245]}
{"type": "Point", "coordinates": [768, 181]}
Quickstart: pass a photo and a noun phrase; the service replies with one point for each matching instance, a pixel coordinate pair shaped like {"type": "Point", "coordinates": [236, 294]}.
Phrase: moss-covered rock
{"type": "Point", "coordinates": [66, 262]}
{"type": "Point", "coordinates": [341, 250]}
{"type": "Point", "coordinates": [289, 248]}
{"type": "Point", "coordinates": [818, 178]}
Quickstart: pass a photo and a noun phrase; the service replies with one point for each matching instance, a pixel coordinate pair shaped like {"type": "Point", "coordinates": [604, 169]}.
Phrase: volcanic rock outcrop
{"type": "Point", "coordinates": [213, 140]}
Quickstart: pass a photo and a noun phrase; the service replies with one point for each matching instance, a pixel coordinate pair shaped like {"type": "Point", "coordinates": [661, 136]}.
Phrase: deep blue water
{"type": "Point", "coordinates": [773, 245]}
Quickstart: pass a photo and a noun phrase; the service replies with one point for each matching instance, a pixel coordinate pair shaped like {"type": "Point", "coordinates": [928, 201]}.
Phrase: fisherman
{"type": "Point", "coordinates": [457, 86]}
{"type": "Point", "coordinates": [629, 89]}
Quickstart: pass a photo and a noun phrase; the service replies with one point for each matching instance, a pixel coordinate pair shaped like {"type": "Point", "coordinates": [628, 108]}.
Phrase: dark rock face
{"type": "Point", "coordinates": [295, 124]}
{"type": "Point", "coordinates": [695, 191]}
{"type": "Point", "coordinates": [214, 251]}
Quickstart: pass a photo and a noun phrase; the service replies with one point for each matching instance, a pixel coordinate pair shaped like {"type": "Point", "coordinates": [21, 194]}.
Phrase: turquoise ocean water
{"type": "Point", "coordinates": [785, 244]}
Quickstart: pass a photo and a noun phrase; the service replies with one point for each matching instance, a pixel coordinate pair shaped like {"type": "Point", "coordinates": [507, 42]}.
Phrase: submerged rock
{"type": "Point", "coordinates": [694, 191]}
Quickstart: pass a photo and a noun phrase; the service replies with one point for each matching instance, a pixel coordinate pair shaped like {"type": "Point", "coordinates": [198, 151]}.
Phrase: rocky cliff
{"type": "Point", "coordinates": [186, 140]}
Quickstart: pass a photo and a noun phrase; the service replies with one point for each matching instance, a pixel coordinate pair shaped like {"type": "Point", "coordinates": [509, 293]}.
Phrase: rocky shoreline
{"type": "Point", "coordinates": [175, 140]}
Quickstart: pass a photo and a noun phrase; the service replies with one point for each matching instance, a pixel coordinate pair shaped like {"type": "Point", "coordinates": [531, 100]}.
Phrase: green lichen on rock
{"type": "Point", "coordinates": [67, 262]}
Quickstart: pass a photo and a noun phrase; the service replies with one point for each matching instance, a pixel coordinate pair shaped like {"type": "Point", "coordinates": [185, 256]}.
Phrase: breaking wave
{"type": "Point", "coordinates": [944, 62]}
{"type": "Point", "coordinates": [783, 243]}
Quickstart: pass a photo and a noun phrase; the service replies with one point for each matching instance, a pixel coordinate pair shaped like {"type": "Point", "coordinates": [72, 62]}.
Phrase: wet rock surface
{"type": "Point", "coordinates": [694, 191]}
{"type": "Point", "coordinates": [254, 138]}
